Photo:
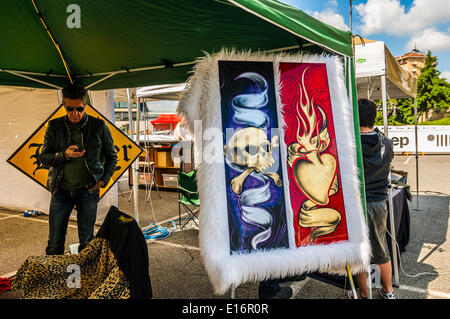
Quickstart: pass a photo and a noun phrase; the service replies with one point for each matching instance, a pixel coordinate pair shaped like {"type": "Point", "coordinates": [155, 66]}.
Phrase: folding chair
{"type": "Point", "coordinates": [188, 197]}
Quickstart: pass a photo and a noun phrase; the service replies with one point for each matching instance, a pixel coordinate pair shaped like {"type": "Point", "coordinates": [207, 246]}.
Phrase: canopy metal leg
{"type": "Point", "coordinates": [369, 283]}
{"type": "Point", "coordinates": [417, 154]}
{"type": "Point", "coordinates": [135, 165]}
{"type": "Point", "coordinates": [393, 235]}
{"type": "Point", "coordinates": [391, 206]}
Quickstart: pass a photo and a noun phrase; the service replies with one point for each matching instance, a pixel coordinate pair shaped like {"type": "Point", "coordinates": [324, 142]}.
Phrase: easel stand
{"type": "Point", "coordinates": [352, 284]}
{"type": "Point", "coordinates": [340, 281]}
{"type": "Point", "coordinates": [349, 275]}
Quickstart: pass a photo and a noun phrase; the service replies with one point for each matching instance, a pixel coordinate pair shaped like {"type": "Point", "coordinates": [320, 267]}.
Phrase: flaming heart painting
{"type": "Point", "coordinates": [275, 152]}
{"type": "Point", "coordinates": [313, 164]}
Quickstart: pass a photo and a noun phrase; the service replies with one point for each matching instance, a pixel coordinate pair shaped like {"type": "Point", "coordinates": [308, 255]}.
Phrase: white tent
{"type": "Point", "coordinates": [148, 93]}
{"type": "Point", "coordinates": [152, 93]}
{"type": "Point", "coordinates": [373, 62]}
{"type": "Point", "coordinates": [379, 76]}
{"type": "Point", "coordinates": [23, 111]}
{"type": "Point", "coordinates": [161, 92]}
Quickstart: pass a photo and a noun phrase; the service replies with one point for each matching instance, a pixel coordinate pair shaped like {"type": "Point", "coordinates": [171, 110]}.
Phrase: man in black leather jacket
{"type": "Point", "coordinates": [80, 154]}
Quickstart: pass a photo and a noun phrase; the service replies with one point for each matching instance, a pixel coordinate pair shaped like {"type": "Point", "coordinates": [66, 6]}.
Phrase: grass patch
{"type": "Point", "coordinates": [444, 121]}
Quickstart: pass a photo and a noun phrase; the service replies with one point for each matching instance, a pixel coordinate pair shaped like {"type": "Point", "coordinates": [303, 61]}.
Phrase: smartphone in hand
{"type": "Point", "coordinates": [80, 148]}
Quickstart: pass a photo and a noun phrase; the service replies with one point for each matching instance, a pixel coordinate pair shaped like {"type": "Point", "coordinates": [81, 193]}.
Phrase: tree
{"type": "Point", "coordinates": [402, 114]}
{"type": "Point", "coordinates": [433, 92]}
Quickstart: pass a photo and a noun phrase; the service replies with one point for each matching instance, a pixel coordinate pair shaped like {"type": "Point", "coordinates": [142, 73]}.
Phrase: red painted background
{"type": "Point", "coordinates": [316, 84]}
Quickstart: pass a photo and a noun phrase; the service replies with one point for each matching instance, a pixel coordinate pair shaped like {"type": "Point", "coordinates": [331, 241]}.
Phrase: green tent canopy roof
{"type": "Point", "coordinates": [137, 43]}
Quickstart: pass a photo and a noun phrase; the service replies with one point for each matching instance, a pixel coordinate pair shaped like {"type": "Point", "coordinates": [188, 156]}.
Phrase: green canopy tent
{"type": "Point", "coordinates": [122, 44]}
{"type": "Point", "coordinates": [119, 43]}
{"type": "Point", "coordinates": [107, 44]}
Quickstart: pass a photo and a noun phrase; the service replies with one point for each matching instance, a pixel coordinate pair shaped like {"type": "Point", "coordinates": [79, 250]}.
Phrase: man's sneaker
{"type": "Point", "coordinates": [386, 295]}
{"type": "Point", "coordinates": [283, 293]}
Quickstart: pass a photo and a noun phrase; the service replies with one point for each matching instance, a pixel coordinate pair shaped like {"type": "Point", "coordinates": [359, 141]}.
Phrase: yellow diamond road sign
{"type": "Point", "coordinates": [26, 157]}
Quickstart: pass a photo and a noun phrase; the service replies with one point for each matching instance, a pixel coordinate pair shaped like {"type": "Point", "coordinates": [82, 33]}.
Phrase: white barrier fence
{"type": "Point", "coordinates": [431, 138]}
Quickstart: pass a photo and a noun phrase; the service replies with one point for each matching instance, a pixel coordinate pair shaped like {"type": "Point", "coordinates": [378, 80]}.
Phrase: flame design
{"type": "Point", "coordinates": [308, 120]}
{"type": "Point", "coordinates": [312, 140]}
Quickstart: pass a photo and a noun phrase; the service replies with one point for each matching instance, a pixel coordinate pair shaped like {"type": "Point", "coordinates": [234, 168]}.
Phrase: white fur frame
{"type": "Point", "coordinates": [202, 101]}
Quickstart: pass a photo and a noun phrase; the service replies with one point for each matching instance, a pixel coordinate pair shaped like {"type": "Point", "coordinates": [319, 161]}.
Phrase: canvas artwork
{"type": "Point", "coordinates": [313, 163]}
{"type": "Point", "coordinates": [256, 205]}
{"type": "Point", "coordinates": [281, 195]}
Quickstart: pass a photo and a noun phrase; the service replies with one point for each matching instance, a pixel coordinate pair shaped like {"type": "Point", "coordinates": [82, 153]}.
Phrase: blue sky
{"type": "Point", "coordinates": [401, 24]}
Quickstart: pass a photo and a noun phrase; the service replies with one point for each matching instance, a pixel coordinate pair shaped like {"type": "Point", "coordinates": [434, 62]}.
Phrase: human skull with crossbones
{"type": "Point", "coordinates": [250, 149]}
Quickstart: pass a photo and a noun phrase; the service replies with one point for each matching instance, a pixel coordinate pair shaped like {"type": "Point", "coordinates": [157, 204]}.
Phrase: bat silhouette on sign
{"type": "Point", "coordinates": [37, 162]}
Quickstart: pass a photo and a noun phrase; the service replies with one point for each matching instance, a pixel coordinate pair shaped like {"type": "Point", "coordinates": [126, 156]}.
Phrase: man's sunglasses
{"type": "Point", "coordinates": [71, 109]}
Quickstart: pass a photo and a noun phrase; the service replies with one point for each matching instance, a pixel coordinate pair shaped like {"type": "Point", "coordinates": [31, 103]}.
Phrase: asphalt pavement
{"type": "Point", "coordinates": [177, 271]}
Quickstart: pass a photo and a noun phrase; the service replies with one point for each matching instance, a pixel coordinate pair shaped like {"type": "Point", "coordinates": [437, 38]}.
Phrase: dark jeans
{"type": "Point", "coordinates": [270, 285]}
{"type": "Point", "coordinates": [61, 206]}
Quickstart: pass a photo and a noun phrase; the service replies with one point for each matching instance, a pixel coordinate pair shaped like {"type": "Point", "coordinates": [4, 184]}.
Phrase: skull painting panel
{"type": "Point", "coordinates": [255, 196]}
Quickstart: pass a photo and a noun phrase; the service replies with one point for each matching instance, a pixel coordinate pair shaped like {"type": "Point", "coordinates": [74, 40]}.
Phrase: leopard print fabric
{"type": "Point", "coordinates": [54, 277]}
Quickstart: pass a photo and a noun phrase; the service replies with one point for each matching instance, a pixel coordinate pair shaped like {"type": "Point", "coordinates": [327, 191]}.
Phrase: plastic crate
{"type": "Point", "coordinates": [145, 178]}
{"type": "Point", "coordinates": [170, 180]}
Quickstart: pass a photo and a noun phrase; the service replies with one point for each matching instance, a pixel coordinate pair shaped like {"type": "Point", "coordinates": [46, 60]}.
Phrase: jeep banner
{"type": "Point", "coordinates": [431, 138]}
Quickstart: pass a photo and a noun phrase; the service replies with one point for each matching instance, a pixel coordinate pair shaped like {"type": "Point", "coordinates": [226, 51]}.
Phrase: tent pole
{"type": "Point", "coordinates": [130, 115]}
{"type": "Point", "coordinates": [417, 153]}
{"type": "Point", "coordinates": [391, 205]}
{"type": "Point", "coordinates": [133, 170]}
{"type": "Point", "coordinates": [353, 96]}
{"type": "Point", "coordinates": [33, 79]}
{"type": "Point", "coordinates": [101, 80]}
{"type": "Point", "coordinates": [351, 24]}
{"type": "Point", "coordinates": [60, 98]}
{"type": "Point", "coordinates": [181, 64]}
{"type": "Point", "coordinates": [138, 118]}
{"type": "Point", "coordinates": [385, 113]}
{"type": "Point", "coordinates": [56, 44]}
{"type": "Point", "coordinates": [51, 75]}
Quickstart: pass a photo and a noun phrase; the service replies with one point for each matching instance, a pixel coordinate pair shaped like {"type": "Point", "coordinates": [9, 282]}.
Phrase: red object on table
{"type": "Point", "coordinates": [165, 122]}
{"type": "Point", "coordinates": [167, 118]}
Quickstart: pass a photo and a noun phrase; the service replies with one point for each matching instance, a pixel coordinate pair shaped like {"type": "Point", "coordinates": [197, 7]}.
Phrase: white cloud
{"type": "Point", "coordinates": [332, 18]}
{"type": "Point", "coordinates": [429, 39]}
{"type": "Point", "coordinates": [445, 75]}
{"type": "Point", "coordinates": [333, 3]}
{"type": "Point", "coordinates": [389, 16]}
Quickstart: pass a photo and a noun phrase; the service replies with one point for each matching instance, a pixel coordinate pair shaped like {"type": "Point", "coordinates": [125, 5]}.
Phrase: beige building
{"type": "Point", "coordinates": [412, 61]}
